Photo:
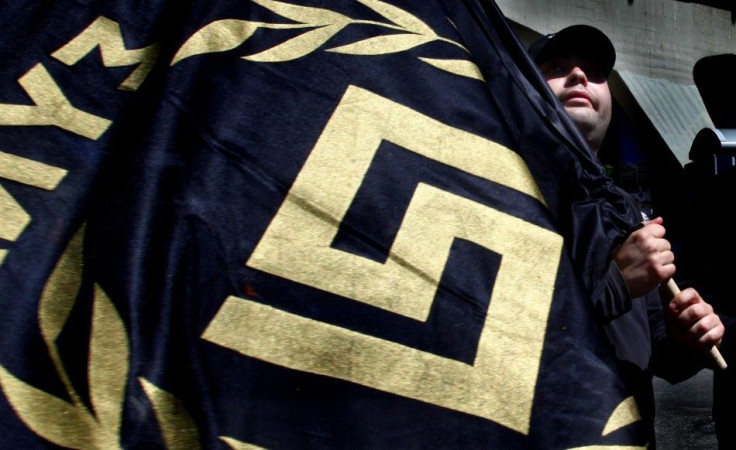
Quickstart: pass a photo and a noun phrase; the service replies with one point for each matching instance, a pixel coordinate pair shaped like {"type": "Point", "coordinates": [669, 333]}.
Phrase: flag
{"type": "Point", "coordinates": [297, 224]}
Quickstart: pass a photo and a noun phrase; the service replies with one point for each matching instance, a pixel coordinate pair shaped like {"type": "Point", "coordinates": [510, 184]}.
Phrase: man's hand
{"type": "Point", "coordinates": [691, 320]}
{"type": "Point", "coordinates": [645, 259]}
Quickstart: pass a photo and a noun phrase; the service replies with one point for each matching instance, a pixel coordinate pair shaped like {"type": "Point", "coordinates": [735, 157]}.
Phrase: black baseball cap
{"type": "Point", "coordinates": [584, 40]}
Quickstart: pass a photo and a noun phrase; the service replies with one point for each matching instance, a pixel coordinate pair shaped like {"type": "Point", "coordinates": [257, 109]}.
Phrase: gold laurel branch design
{"type": "Point", "coordinates": [299, 46]}
{"type": "Point", "coordinates": [238, 445]}
{"type": "Point", "coordinates": [224, 35]}
{"type": "Point", "coordinates": [177, 426]}
{"type": "Point", "coordinates": [58, 299]}
{"type": "Point", "coordinates": [399, 17]}
{"type": "Point", "coordinates": [461, 67]}
{"type": "Point", "coordinates": [381, 45]}
{"type": "Point", "coordinates": [323, 24]}
{"type": "Point", "coordinates": [303, 14]}
{"type": "Point", "coordinates": [218, 36]}
{"type": "Point", "coordinates": [48, 416]}
{"type": "Point", "coordinates": [72, 424]}
{"type": "Point", "coordinates": [227, 34]}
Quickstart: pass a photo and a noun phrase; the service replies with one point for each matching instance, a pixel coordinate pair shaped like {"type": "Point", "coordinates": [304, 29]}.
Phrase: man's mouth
{"type": "Point", "coordinates": [574, 97]}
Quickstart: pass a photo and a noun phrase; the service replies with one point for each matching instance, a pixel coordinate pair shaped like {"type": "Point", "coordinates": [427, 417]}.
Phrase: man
{"type": "Point", "coordinates": [649, 339]}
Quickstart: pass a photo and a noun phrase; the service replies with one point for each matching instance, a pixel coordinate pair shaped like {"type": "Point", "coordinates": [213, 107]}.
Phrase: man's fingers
{"type": "Point", "coordinates": [653, 230]}
{"type": "Point", "coordinates": [662, 258]}
{"type": "Point", "coordinates": [658, 220]}
{"type": "Point", "coordinates": [665, 271]}
{"type": "Point", "coordinates": [708, 331]}
{"type": "Point", "coordinates": [697, 319]}
{"type": "Point", "coordinates": [661, 265]}
{"type": "Point", "coordinates": [688, 298]}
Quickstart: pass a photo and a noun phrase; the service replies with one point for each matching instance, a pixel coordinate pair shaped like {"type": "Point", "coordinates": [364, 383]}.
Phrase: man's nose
{"type": "Point", "coordinates": [578, 74]}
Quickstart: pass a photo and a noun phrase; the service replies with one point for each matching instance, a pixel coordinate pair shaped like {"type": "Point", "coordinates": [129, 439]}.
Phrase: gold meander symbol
{"type": "Point", "coordinates": [499, 384]}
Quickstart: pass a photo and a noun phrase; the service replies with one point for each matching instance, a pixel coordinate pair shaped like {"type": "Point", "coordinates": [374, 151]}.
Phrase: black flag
{"type": "Point", "coordinates": [297, 224]}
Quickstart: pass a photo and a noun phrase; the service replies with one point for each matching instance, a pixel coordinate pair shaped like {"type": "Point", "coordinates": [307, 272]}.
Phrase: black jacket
{"type": "Point", "coordinates": [637, 333]}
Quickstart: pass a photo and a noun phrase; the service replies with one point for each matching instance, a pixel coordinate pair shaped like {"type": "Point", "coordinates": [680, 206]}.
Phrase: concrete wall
{"type": "Point", "coordinates": [654, 38]}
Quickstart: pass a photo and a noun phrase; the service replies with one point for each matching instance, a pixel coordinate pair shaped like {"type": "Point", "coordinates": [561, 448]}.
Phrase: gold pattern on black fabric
{"type": "Point", "coordinates": [177, 427]}
{"type": "Point", "coordinates": [51, 107]}
{"type": "Point", "coordinates": [73, 424]}
{"type": "Point", "coordinates": [107, 35]}
{"type": "Point", "coordinates": [625, 413]}
{"type": "Point", "coordinates": [238, 445]}
{"type": "Point", "coordinates": [13, 218]}
{"type": "Point", "coordinates": [500, 383]}
{"type": "Point", "coordinates": [321, 25]}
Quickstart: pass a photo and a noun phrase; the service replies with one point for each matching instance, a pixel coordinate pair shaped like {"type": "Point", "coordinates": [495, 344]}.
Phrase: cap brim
{"type": "Point", "coordinates": [582, 40]}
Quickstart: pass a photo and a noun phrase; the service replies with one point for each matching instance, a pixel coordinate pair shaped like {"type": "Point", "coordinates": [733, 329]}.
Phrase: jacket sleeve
{"type": "Point", "coordinates": [612, 299]}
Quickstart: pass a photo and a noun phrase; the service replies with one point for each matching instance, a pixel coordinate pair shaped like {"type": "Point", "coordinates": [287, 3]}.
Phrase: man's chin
{"type": "Point", "coordinates": [580, 110]}
{"type": "Point", "coordinates": [591, 125]}
{"type": "Point", "coordinates": [583, 117]}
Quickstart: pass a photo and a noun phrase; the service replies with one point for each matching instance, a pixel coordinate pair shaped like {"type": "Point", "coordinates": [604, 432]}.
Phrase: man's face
{"type": "Point", "coordinates": [583, 90]}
